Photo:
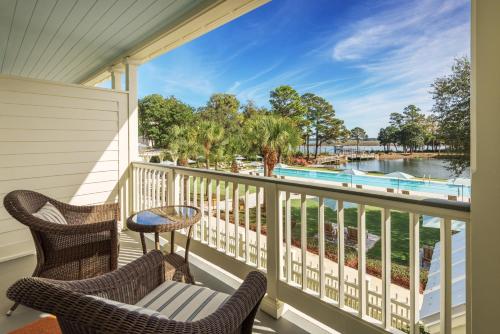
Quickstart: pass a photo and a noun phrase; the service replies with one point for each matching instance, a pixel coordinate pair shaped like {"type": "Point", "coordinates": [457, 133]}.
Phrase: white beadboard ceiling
{"type": "Point", "coordinates": [73, 40]}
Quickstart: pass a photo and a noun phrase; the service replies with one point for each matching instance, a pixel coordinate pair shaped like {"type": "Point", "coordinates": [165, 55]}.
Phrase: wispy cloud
{"type": "Point", "coordinates": [368, 58]}
{"type": "Point", "coordinates": [185, 76]}
{"type": "Point", "coordinates": [259, 92]}
{"type": "Point", "coordinates": [399, 52]}
{"type": "Point", "coordinates": [394, 27]}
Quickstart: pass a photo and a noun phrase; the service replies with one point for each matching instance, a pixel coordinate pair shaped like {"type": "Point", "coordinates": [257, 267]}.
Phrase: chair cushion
{"type": "Point", "coordinates": [50, 213]}
{"type": "Point", "coordinates": [176, 301]}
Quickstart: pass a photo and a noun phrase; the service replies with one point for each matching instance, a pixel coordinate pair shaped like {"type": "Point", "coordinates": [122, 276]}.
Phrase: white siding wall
{"type": "Point", "coordinates": [69, 142]}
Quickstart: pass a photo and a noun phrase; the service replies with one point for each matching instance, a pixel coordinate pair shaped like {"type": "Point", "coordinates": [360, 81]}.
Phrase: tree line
{"type": "Point", "coordinates": [410, 130]}
{"type": "Point", "coordinates": [449, 123]}
{"type": "Point", "coordinates": [225, 128]}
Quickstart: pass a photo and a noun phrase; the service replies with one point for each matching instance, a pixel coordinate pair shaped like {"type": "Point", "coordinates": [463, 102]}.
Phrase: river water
{"type": "Point", "coordinates": [420, 167]}
{"type": "Point", "coordinates": [434, 168]}
{"type": "Point", "coordinates": [353, 148]}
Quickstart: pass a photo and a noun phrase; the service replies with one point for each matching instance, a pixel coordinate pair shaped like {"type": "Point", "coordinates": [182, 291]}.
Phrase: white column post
{"type": "Point", "coordinates": [483, 268]}
{"type": "Point", "coordinates": [133, 117]}
{"type": "Point", "coordinates": [271, 304]}
{"type": "Point", "coordinates": [133, 112]}
{"type": "Point", "coordinates": [116, 76]}
{"type": "Point", "coordinates": [125, 187]}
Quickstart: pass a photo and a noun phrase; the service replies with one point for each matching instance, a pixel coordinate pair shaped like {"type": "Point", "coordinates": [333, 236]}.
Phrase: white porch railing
{"type": "Point", "coordinates": [301, 274]}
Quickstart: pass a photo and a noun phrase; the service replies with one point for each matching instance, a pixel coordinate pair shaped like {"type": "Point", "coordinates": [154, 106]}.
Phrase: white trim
{"type": "Point", "coordinates": [196, 23]}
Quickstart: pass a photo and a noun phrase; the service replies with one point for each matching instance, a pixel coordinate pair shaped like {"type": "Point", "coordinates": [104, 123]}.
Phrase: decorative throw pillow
{"type": "Point", "coordinates": [51, 214]}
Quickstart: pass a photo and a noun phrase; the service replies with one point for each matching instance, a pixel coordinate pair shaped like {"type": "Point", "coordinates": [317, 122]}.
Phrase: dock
{"type": "Point", "coordinates": [337, 159]}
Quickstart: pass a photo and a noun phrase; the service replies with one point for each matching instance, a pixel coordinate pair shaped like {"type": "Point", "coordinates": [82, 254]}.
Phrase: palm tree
{"type": "Point", "coordinates": [182, 144]}
{"type": "Point", "coordinates": [218, 154]}
{"type": "Point", "coordinates": [270, 136]}
{"type": "Point", "coordinates": [234, 145]}
{"type": "Point", "coordinates": [209, 134]}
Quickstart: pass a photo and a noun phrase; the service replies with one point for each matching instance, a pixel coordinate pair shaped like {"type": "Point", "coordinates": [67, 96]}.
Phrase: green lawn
{"type": "Point", "coordinates": [399, 223]}
{"type": "Point", "coordinates": [399, 228]}
{"type": "Point", "coordinates": [400, 234]}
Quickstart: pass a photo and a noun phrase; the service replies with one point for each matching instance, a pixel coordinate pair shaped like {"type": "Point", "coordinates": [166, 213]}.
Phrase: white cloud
{"type": "Point", "coordinates": [234, 86]}
{"type": "Point", "coordinates": [259, 93]}
{"type": "Point", "coordinates": [188, 77]}
{"type": "Point", "coordinates": [399, 53]}
{"type": "Point", "coordinates": [393, 28]}
{"type": "Point", "coordinates": [362, 43]}
{"type": "Point", "coordinates": [379, 63]}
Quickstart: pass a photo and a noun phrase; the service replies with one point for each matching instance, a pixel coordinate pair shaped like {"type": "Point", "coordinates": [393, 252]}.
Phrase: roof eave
{"type": "Point", "coordinates": [189, 27]}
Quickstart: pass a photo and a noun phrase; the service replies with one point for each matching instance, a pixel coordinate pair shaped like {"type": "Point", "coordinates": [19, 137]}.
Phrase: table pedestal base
{"type": "Point", "coordinates": [176, 266]}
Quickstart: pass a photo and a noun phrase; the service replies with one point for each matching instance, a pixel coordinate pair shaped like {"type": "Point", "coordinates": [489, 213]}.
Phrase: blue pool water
{"type": "Point", "coordinates": [376, 181]}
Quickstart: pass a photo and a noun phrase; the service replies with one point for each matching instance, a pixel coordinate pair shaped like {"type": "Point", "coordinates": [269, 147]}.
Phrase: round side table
{"type": "Point", "coordinates": [168, 219]}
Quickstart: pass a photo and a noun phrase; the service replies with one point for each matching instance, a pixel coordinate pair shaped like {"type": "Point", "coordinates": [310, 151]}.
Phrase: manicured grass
{"type": "Point", "coordinates": [399, 223]}
{"type": "Point", "coordinates": [400, 234]}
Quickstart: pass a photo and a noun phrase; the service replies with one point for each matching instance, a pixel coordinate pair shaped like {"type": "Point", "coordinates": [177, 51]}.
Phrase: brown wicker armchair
{"type": "Point", "coordinates": [85, 247]}
{"type": "Point", "coordinates": [84, 306]}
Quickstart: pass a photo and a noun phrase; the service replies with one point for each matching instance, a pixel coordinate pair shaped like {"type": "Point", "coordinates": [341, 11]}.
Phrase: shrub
{"type": "Point", "coordinates": [300, 161]}
{"type": "Point", "coordinates": [400, 275]}
{"type": "Point", "coordinates": [155, 159]}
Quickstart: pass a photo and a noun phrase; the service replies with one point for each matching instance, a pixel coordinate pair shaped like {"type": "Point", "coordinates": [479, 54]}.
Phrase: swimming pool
{"type": "Point", "coordinates": [379, 181]}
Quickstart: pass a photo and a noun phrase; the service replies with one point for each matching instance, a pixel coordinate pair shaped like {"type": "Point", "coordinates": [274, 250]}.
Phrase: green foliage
{"type": "Point", "coordinates": [210, 134]}
{"type": "Point", "coordinates": [449, 124]}
{"type": "Point", "coordinates": [223, 110]}
{"type": "Point", "coordinates": [154, 159]}
{"type": "Point", "coordinates": [390, 136]}
{"type": "Point", "coordinates": [271, 136]}
{"type": "Point", "coordinates": [320, 121]}
{"type": "Point", "coordinates": [410, 129]}
{"type": "Point", "coordinates": [182, 144]}
{"type": "Point", "coordinates": [250, 109]}
{"type": "Point", "coordinates": [157, 116]}
{"type": "Point", "coordinates": [358, 134]}
{"type": "Point", "coordinates": [223, 128]}
{"type": "Point", "coordinates": [384, 139]}
{"type": "Point", "coordinates": [285, 101]}
{"type": "Point", "coordinates": [451, 95]}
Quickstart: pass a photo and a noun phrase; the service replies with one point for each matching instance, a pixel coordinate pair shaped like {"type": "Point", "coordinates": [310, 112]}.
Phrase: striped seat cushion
{"type": "Point", "coordinates": [50, 213]}
{"type": "Point", "coordinates": [176, 301]}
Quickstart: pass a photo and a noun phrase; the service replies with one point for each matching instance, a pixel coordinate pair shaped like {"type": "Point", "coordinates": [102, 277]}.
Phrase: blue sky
{"type": "Point", "coordinates": [368, 58]}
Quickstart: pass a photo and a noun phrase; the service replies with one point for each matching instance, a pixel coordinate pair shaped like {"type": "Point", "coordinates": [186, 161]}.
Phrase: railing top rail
{"type": "Point", "coordinates": [453, 209]}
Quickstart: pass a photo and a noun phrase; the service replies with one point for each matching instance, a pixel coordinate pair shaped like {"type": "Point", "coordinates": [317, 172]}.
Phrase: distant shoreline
{"type": "Point", "coordinates": [414, 155]}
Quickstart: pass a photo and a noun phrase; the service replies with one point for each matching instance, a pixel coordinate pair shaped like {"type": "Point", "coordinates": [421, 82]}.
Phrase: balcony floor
{"type": "Point", "coordinates": [205, 274]}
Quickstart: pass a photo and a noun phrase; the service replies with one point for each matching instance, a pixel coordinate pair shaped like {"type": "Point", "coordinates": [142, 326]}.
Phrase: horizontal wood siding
{"type": "Point", "coordinates": [61, 140]}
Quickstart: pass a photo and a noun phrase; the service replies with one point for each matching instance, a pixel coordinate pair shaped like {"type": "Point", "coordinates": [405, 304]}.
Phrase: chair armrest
{"type": "Point", "coordinates": [67, 301]}
{"type": "Point", "coordinates": [128, 284]}
{"type": "Point", "coordinates": [43, 226]}
{"type": "Point", "coordinates": [86, 208]}
{"type": "Point", "coordinates": [238, 312]}
{"type": "Point", "coordinates": [90, 214]}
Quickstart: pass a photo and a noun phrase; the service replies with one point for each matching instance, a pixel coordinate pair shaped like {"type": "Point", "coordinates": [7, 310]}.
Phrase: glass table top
{"type": "Point", "coordinates": [165, 215]}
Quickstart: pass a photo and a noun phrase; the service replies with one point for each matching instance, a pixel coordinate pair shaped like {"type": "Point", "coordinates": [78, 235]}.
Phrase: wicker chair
{"type": "Point", "coordinates": [102, 304]}
{"type": "Point", "coordinates": [85, 247]}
